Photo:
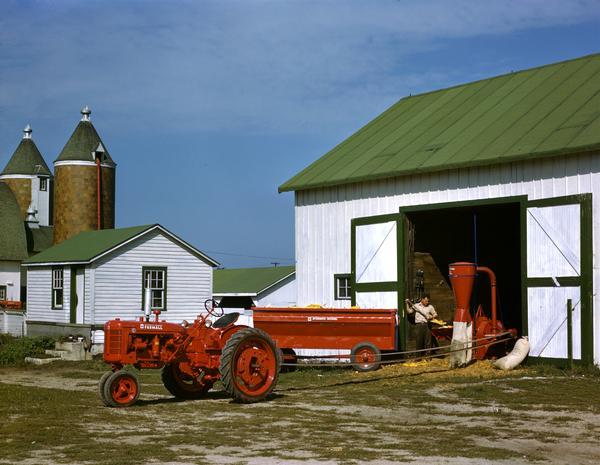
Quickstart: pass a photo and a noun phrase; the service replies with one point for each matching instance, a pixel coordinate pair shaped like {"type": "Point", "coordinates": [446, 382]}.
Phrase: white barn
{"type": "Point", "coordinates": [504, 172]}
{"type": "Point", "coordinates": [76, 286]}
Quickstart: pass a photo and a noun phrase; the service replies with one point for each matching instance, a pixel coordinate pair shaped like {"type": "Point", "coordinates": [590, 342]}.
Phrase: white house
{"type": "Point", "coordinates": [240, 289]}
{"type": "Point", "coordinates": [76, 286]}
{"type": "Point", "coordinates": [504, 172]}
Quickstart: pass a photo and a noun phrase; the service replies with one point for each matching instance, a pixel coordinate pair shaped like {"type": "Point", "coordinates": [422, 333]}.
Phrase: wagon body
{"type": "Point", "coordinates": [328, 328]}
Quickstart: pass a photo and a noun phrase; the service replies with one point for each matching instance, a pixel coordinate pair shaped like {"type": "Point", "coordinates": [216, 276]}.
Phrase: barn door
{"type": "Point", "coordinates": [559, 268]}
{"type": "Point", "coordinates": [375, 258]}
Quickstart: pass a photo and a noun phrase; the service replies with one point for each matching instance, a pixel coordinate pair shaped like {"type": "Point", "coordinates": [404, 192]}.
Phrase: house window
{"type": "Point", "coordinates": [3, 293]}
{"type": "Point", "coordinates": [342, 287]}
{"type": "Point", "coordinates": [57, 287]}
{"type": "Point", "coordinates": [43, 184]}
{"type": "Point", "coordinates": [155, 279]}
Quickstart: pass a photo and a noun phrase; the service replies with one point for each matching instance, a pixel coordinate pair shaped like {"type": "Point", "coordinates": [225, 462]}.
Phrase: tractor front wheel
{"type": "Point", "coordinates": [250, 363]}
{"type": "Point", "coordinates": [365, 357]}
{"type": "Point", "coordinates": [101, 385]}
{"type": "Point", "coordinates": [121, 389]}
{"type": "Point", "coordinates": [182, 385]}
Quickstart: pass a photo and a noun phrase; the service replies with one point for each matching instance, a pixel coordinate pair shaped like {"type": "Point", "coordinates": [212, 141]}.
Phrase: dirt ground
{"type": "Point", "coordinates": [415, 413]}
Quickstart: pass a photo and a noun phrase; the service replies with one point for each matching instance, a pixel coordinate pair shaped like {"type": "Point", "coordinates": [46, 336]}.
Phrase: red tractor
{"type": "Point", "coordinates": [192, 357]}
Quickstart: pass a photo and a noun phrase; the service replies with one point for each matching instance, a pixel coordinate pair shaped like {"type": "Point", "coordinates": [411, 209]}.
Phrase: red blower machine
{"type": "Point", "coordinates": [487, 337]}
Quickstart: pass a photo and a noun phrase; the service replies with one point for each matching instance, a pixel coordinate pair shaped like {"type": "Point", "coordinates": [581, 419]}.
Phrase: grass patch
{"type": "Point", "coordinates": [13, 350]}
{"type": "Point", "coordinates": [336, 415]}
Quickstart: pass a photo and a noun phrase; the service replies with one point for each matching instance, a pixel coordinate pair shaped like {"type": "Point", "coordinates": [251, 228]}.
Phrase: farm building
{"type": "Point", "coordinates": [239, 289]}
{"type": "Point", "coordinates": [79, 284]}
{"type": "Point", "coordinates": [504, 172]}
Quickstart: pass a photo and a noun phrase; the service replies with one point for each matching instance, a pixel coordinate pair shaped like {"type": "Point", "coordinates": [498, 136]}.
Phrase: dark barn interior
{"type": "Point", "coordinates": [489, 235]}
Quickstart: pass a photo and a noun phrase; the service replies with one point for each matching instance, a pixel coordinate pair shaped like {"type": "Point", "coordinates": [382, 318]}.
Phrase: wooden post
{"type": "Point", "coordinates": [570, 333]}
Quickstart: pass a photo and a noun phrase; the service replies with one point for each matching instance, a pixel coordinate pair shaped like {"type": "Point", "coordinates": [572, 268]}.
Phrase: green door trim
{"type": "Point", "coordinates": [584, 281]}
{"type": "Point", "coordinates": [73, 295]}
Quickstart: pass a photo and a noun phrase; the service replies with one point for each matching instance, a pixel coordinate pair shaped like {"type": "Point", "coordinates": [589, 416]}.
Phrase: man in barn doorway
{"type": "Point", "coordinates": [424, 313]}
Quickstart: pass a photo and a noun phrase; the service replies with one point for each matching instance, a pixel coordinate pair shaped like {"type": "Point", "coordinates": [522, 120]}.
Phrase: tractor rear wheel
{"type": "Point", "coordinates": [121, 389]}
{"type": "Point", "coordinates": [250, 363]}
{"type": "Point", "coordinates": [365, 357]}
{"type": "Point", "coordinates": [182, 385]}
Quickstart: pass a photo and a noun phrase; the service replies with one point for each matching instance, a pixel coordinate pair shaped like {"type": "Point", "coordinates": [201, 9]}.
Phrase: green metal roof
{"type": "Point", "coordinates": [26, 159]}
{"type": "Point", "coordinates": [13, 242]}
{"type": "Point", "coordinates": [540, 112]}
{"type": "Point", "coordinates": [248, 280]}
{"type": "Point", "coordinates": [82, 143]}
{"type": "Point", "coordinates": [87, 246]}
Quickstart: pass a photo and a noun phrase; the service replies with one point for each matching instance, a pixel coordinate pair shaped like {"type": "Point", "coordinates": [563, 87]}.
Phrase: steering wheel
{"type": "Point", "coordinates": [212, 307]}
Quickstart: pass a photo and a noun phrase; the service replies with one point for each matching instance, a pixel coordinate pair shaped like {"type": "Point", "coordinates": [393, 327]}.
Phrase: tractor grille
{"type": "Point", "coordinates": [114, 342]}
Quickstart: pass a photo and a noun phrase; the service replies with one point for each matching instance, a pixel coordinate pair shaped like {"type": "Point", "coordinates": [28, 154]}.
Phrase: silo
{"type": "Point", "coordinates": [30, 179]}
{"type": "Point", "coordinates": [84, 178]}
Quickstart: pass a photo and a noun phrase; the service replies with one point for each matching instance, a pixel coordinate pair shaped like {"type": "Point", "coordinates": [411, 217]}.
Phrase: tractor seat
{"type": "Point", "coordinates": [226, 320]}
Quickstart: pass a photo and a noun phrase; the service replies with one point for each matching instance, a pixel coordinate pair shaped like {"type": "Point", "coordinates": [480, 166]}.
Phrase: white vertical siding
{"type": "Point", "coordinates": [118, 280]}
{"type": "Point", "coordinates": [39, 295]}
{"type": "Point", "coordinates": [323, 215]}
{"type": "Point", "coordinates": [11, 322]}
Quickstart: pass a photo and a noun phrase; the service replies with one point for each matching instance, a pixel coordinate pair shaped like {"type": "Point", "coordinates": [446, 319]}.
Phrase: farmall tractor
{"type": "Point", "coordinates": [192, 357]}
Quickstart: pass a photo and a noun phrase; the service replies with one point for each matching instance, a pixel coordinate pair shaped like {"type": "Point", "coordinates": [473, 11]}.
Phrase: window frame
{"type": "Point", "coordinates": [4, 288]}
{"type": "Point", "coordinates": [43, 184]}
{"type": "Point", "coordinates": [147, 269]}
{"type": "Point", "coordinates": [336, 288]}
{"type": "Point", "coordinates": [54, 288]}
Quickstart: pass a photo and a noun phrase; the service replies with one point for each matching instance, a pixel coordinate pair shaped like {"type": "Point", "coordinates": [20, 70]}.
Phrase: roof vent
{"type": "Point", "coordinates": [31, 220]}
{"type": "Point", "coordinates": [86, 112]}
{"type": "Point", "coordinates": [27, 132]}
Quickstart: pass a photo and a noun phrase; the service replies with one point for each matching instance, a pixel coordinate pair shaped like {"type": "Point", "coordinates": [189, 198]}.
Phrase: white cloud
{"type": "Point", "coordinates": [256, 66]}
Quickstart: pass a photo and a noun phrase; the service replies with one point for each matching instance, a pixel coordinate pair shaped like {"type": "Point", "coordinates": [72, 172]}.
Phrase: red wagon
{"type": "Point", "coordinates": [365, 332]}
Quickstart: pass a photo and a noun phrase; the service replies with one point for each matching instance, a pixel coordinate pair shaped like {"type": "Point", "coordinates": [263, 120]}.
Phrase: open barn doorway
{"type": "Point", "coordinates": [486, 234]}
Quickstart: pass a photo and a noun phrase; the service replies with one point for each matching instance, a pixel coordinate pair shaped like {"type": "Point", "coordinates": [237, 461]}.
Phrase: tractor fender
{"type": "Point", "coordinates": [230, 331]}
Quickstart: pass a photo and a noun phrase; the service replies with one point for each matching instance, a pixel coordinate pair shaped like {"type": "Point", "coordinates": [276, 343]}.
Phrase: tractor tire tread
{"type": "Point", "coordinates": [227, 359]}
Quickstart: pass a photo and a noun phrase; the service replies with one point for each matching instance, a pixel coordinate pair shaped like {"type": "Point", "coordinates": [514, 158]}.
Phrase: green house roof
{"type": "Point", "coordinates": [13, 241]}
{"type": "Point", "coordinates": [82, 143]}
{"type": "Point", "coordinates": [249, 280]}
{"type": "Point", "coordinates": [27, 160]}
{"type": "Point", "coordinates": [539, 112]}
{"type": "Point", "coordinates": [88, 246]}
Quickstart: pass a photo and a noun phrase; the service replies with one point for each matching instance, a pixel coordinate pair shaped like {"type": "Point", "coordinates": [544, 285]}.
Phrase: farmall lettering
{"type": "Point", "coordinates": [192, 357]}
{"type": "Point", "coordinates": [151, 327]}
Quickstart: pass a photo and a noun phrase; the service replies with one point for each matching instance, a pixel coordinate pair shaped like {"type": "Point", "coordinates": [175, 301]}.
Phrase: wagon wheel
{"type": "Point", "coordinates": [365, 357]}
{"type": "Point", "coordinates": [121, 389]}
{"type": "Point", "coordinates": [101, 385]}
{"type": "Point", "coordinates": [183, 385]}
{"type": "Point", "coordinates": [288, 356]}
{"type": "Point", "coordinates": [250, 364]}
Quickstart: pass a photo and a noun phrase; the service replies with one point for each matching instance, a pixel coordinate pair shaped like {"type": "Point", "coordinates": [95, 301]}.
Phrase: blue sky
{"type": "Point", "coordinates": [208, 106]}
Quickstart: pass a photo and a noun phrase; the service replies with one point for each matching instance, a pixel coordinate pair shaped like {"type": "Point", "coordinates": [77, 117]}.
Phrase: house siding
{"type": "Point", "coordinates": [118, 280]}
{"type": "Point", "coordinates": [10, 276]}
{"type": "Point", "coordinates": [323, 216]}
{"type": "Point", "coordinates": [39, 295]}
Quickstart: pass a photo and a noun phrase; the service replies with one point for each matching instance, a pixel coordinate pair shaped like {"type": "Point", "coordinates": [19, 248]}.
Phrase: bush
{"type": "Point", "coordinates": [13, 350]}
